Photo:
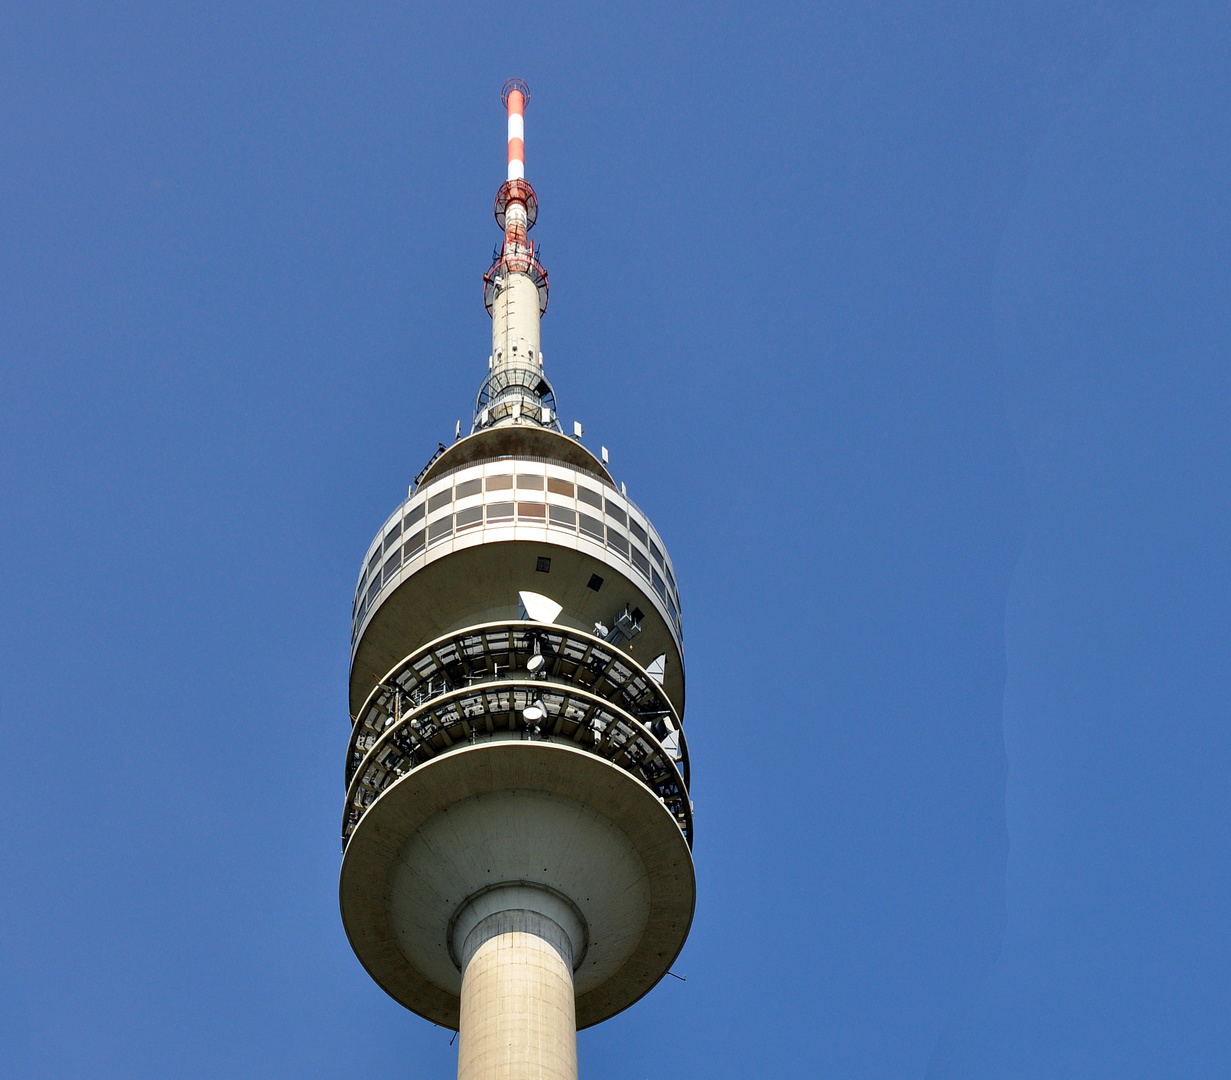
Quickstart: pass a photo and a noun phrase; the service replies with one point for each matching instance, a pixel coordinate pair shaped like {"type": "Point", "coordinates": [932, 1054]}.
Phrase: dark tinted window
{"type": "Point", "coordinates": [533, 482]}
{"type": "Point", "coordinates": [658, 555]}
{"type": "Point", "coordinates": [470, 487]}
{"type": "Point", "coordinates": [588, 496]}
{"type": "Point", "coordinates": [499, 511]}
{"type": "Point", "coordinates": [413, 546]}
{"type": "Point", "coordinates": [591, 525]}
{"type": "Point", "coordinates": [373, 589]}
{"type": "Point", "coordinates": [437, 501]}
{"type": "Point", "coordinates": [499, 483]}
{"type": "Point", "coordinates": [374, 561]}
{"type": "Point", "coordinates": [562, 515]}
{"type": "Point", "coordinates": [414, 515]}
{"type": "Point", "coordinates": [638, 531]}
{"type": "Point", "coordinates": [559, 487]}
{"type": "Point", "coordinates": [468, 518]}
{"type": "Point", "coordinates": [640, 561]}
{"type": "Point", "coordinates": [659, 584]}
{"type": "Point", "coordinates": [615, 513]}
{"type": "Point", "coordinates": [392, 564]}
{"type": "Point", "coordinates": [617, 541]}
{"type": "Point", "coordinates": [393, 535]}
{"type": "Point", "coordinates": [438, 530]}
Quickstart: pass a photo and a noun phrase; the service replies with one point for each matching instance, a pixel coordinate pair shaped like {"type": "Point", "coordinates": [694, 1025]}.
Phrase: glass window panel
{"type": "Point", "coordinates": [469, 487]}
{"type": "Point", "coordinates": [374, 561]}
{"type": "Point", "coordinates": [442, 499]}
{"type": "Point", "coordinates": [591, 525]}
{"type": "Point", "coordinates": [438, 530]}
{"type": "Point", "coordinates": [530, 481]}
{"type": "Point", "coordinates": [638, 531]}
{"type": "Point", "coordinates": [500, 483]}
{"type": "Point", "coordinates": [531, 510]}
{"type": "Point", "coordinates": [373, 589]}
{"type": "Point", "coordinates": [468, 518]}
{"type": "Point", "coordinates": [393, 535]}
{"type": "Point", "coordinates": [587, 495]}
{"type": "Point", "coordinates": [671, 578]}
{"type": "Point", "coordinates": [501, 511]}
{"type": "Point", "coordinates": [415, 515]}
{"type": "Point", "coordinates": [659, 584]}
{"type": "Point", "coordinates": [658, 555]}
{"type": "Point", "coordinates": [564, 517]}
{"type": "Point", "coordinates": [616, 514]}
{"type": "Point", "coordinates": [617, 541]}
{"type": "Point", "coordinates": [413, 546]}
{"type": "Point", "coordinates": [640, 561]}
{"type": "Point", "coordinates": [392, 564]}
{"type": "Point", "coordinates": [560, 487]}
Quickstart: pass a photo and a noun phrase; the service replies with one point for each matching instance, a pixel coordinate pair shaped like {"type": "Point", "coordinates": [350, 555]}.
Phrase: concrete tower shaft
{"type": "Point", "coordinates": [515, 323]}
{"type": "Point", "coordinates": [517, 830]}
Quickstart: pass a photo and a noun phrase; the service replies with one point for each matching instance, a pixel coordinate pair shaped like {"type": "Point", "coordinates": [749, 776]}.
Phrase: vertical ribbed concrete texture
{"type": "Point", "coordinates": [518, 1020]}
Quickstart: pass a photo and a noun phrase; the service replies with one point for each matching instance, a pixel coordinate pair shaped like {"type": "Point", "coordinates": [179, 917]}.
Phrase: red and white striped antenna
{"type": "Point", "coordinates": [515, 95]}
{"type": "Point", "coordinates": [517, 207]}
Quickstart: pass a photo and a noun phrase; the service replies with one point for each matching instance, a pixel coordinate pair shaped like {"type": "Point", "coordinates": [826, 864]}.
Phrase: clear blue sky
{"type": "Point", "coordinates": [908, 324]}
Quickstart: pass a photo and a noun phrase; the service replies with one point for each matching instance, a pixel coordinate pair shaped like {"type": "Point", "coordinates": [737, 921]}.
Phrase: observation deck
{"type": "Point", "coordinates": [475, 686]}
{"type": "Point", "coordinates": [494, 749]}
{"type": "Point", "coordinates": [562, 511]}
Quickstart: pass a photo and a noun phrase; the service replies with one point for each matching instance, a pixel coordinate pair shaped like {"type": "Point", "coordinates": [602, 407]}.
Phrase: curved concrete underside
{"type": "Point", "coordinates": [463, 854]}
{"type": "Point", "coordinates": [513, 812]}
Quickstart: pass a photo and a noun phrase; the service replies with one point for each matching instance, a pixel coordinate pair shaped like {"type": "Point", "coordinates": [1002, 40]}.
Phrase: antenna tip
{"type": "Point", "coordinates": [515, 84]}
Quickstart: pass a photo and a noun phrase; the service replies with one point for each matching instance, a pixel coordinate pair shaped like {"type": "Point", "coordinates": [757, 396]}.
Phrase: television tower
{"type": "Point", "coordinates": [517, 833]}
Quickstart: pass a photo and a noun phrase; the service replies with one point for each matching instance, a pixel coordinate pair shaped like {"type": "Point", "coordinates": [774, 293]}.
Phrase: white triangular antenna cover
{"type": "Point", "coordinates": [538, 608]}
{"type": "Point", "coordinates": [657, 669]}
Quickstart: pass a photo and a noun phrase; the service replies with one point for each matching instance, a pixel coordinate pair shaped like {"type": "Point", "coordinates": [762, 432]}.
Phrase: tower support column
{"type": "Point", "coordinates": [515, 323]}
{"type": "Point", "coordinates": [518, 1018]}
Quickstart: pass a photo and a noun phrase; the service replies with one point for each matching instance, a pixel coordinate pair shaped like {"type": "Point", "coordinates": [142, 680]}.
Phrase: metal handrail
{"type": "Point", "coordinates": [392, 683]}
{"type": "Point", "coordinates": [376, 776]}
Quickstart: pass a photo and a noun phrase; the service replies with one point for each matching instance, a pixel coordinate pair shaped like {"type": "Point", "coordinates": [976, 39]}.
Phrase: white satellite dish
{"type": "Point", "coordinates": [534, 713]}
{"type": "Point", "coordinates": [535, 663]}
{"type": "Point", "coordinates": [657, 669]}
{"type": "Point", "coordinates": [538, 608]}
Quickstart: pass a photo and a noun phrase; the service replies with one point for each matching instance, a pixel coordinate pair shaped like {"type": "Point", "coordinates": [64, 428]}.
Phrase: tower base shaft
{"type": "Point", "coordinates": [518, 1020]}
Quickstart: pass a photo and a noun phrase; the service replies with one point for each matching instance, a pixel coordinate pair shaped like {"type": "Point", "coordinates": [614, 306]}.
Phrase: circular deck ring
{"type": "Point", "coordinates": [388, 849]}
